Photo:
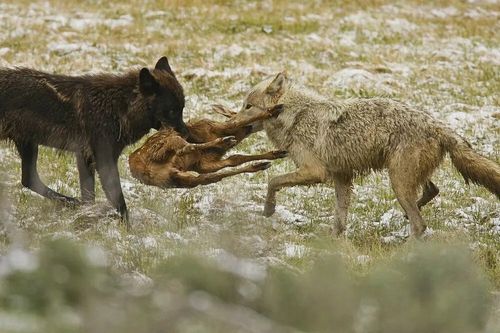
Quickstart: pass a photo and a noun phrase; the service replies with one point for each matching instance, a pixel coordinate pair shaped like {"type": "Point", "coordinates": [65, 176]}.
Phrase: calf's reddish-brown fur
{"type": "Point", "coordinates": [168, 160]}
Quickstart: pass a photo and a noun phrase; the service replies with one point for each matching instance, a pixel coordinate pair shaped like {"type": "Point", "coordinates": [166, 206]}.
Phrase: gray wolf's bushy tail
{"type": "Point", "coordinates": [474, 167]}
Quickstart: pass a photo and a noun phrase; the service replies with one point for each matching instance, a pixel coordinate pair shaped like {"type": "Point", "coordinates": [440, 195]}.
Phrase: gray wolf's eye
{"type": "Point", "coordinates": [248, 106]}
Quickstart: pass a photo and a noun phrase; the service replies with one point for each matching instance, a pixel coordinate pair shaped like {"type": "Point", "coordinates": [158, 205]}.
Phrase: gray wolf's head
{"type": "Point", "coordinates": [263, 96]}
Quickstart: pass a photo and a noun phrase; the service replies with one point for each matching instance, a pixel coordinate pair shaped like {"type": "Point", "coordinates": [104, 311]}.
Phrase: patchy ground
{"type": "Point", "coordinates": [443, 58]}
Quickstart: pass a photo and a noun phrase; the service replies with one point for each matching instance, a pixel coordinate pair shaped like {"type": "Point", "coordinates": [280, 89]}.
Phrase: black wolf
{"type": "Point", "coordinates": [94, 116]}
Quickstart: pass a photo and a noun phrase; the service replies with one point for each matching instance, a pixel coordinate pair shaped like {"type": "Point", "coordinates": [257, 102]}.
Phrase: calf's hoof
{"type": "Point", "coordinates": [259, 166]}
{"type": "Point", "coordinates": [280, 153]}
{"type": "Point", "coordinates": [229, 141]}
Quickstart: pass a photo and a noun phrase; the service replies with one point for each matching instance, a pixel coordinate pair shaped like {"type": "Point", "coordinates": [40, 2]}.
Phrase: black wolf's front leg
{"type": "Point", "coordinates": [107, 168]}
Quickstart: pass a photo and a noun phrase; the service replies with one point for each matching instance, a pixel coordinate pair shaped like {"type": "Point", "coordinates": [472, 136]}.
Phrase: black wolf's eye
{"type": "Point", "coordinates": [248, 106]}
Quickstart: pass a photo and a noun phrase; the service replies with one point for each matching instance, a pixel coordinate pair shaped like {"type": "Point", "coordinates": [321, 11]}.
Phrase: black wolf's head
{"type": "Point", "coordinates": [168, 96]}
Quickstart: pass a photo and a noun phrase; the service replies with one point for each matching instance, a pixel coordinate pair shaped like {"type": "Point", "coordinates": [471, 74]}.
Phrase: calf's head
{"type": "Point", "coordinates": [165, 94]}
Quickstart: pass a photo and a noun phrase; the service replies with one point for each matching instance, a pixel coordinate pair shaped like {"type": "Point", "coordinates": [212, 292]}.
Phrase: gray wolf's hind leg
{"type": "Point", "coordinates": [30, 177]}
{"type": "Point", "coordinates": [405, 187]}
{"type": "Point", "coordinates": [343, 191]}
{"type": "Point", "coordinates": [430, 192]}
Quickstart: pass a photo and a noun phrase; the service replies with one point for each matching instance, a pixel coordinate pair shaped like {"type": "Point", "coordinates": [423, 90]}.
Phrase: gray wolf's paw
{"type": "Point", "coordinates": [269, 209]}
{"type": "Point", "coordinates": [418, 231]}
{"type": "Point", "coordinates": [337, 230]}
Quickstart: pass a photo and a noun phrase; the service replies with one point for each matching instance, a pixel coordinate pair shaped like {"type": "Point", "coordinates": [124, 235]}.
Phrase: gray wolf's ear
{"type": "Point", "coordinates": [277, 85]}
{"type": "Point", "coordinates": [163, 65]}
{"type": "Point", "coordinates": [147, 83]}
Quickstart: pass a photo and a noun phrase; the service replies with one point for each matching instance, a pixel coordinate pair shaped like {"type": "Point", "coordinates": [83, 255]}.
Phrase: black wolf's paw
{"type": "Point", "coordinates": [276, 110]}
{"type": "Point", "coordinates": [279, 153]}
{"type": "Point", "coordinates": [70, 202]}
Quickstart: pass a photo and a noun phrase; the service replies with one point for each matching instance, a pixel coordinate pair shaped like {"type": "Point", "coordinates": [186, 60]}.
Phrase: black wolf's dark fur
{"type": "Point", "coordinates": [94, 116]}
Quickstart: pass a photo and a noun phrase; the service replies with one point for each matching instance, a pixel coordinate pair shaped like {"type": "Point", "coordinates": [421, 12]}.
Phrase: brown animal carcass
{"type": "Point", "coordinates": [168, 160]}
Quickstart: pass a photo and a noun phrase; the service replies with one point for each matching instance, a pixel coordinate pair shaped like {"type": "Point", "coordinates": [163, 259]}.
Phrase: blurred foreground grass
{"type": "Point", "coordinates": [63, 287]}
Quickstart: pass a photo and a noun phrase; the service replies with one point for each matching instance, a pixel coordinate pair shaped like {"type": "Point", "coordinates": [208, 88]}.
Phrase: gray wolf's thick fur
{"type": "Point", "coordinates": [333, 140]}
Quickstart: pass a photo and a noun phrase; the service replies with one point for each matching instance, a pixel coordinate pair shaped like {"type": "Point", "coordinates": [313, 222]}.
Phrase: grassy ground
{"type": "Point", "coordinates": [443, 58]}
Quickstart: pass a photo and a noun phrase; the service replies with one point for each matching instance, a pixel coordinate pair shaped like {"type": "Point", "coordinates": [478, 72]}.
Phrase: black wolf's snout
{"type": "Point", "coordinates": [182, 129]}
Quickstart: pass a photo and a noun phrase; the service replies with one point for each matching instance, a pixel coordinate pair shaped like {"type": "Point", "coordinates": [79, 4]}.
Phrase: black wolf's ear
{"type": "Point", "coordinates": [163, 65]}
{"type": "Point", "coordinates": [277, 85]}
{"type": "Point", "coordinates": [147, 83]}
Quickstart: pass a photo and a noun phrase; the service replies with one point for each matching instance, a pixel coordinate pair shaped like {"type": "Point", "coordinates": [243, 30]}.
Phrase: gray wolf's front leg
{"type": "Point", "coordinates": [302, 176]}
{"type": "Point", "coordinates": [343, 191]}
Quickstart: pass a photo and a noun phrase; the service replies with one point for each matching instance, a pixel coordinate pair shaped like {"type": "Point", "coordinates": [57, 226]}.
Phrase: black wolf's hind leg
{"type": "Point", "coordinates": [429, 193]}
{"type": "Point", "coordinates": [86, 171]}
{"type": "Point", "coordinates": [30, 177]}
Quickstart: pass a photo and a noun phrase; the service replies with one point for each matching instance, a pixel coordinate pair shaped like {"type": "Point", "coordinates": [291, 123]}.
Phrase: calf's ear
{"type": "Point", "coordinates": [277, 86]}
{"type": "Point", "coordinates": [163, 65]}
{"type": "Point", "coordinates": [147, 83]}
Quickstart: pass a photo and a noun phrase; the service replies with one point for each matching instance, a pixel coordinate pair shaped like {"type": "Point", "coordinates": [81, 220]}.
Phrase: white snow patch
{"type": "Point", "coordinates": [18, 260]}
{"type": "Point", "coordinates": [360, 79]}
{"type": "Point", "coordinates": [175, 237]}
{"type": "Point", "coordinates": [245, 268]}
{"type": "Point", "coordinates": [401, 25]}
{"type": "Point", "coordinates": [200, 72]}
{"type": "Point", "coordinates": [295, 250]}
{"type": "Point", "coordinates": [348, 39]}
{"type": "Point", "coordinates": [64, 48]}
{"type": "Point", "coordinates": [361, 19]}
{"type": "Point", "coordinates": [4, 51]}
{"type": "Point", "coordinates": [138, 284]}
{"type": "Point", "coordinates": [96, 255]}
{"type": "Point", "coordinates": [92, 21]}
{"type": "Point", "coordinates": [445, 12]}
{"type": "Point", "coordinates": [290, 217]}
{"type": "Point", "coordinates": [149, 243]}
{"type": "Point", "coordinates": [363, 259]}
{"type": "Point", "coordinates": [392, 216]}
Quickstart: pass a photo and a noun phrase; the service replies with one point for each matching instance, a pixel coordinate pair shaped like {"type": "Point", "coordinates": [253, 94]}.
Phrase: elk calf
{"type": "Point", "coordinates": [168, 160]}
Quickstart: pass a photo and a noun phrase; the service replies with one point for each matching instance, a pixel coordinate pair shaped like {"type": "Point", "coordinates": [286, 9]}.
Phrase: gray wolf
{"type": "Point", "coordinates": [93, 116]}
{"type": "Point", "coordinates": [167, 159]}
{"type": "Point", "coordinates": [337, 140]}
